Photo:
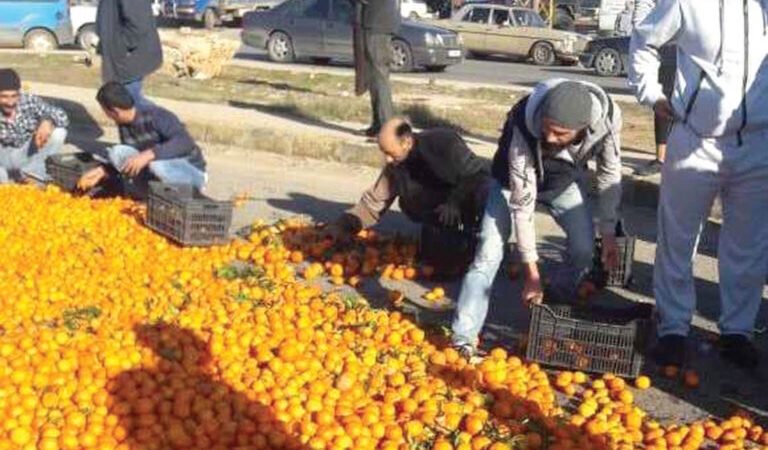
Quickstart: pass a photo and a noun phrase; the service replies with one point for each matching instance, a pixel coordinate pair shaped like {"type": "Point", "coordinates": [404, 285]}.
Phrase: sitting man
{"type": "Point", "coordinates": [542, 157]}
{"type": "Point", "coordinates": [154, 143]}
{"type": "Point", "coordinates": [437, 178]}
{"type": "Point", "coordinates": [30, 131]}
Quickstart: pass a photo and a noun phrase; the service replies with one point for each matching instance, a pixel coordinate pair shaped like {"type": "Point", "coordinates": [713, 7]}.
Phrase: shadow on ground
{"type": "Point", "coordinates": [292, 112]}
{"type": "Point", "coordinates": [182, 403]}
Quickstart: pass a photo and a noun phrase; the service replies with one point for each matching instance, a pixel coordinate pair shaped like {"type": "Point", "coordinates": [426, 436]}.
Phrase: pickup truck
{"type": "Point", "coordinates": [214, 12]}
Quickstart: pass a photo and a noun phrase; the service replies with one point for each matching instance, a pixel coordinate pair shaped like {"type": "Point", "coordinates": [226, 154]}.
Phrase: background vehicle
{"type": "Point", "coordinates": [321, 30]}
{"type": "Point", "coordinates": [40, 25]}
{"type": "Point", "coordinates": [414, 9]}
{"type": "Point", "coordinates": [157, 8]}
{"type": "Point", "coordinates": [607, 56]}
{"type": "Point", "coordinates": [490, 29]}
{"type": "Point", "coordinates": [83, 15]}
{"type": "Point", "coordinates": [212, 13]}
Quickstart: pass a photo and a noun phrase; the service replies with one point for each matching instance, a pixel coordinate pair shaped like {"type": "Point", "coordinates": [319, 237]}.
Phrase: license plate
{"type": "Point", "coordinates": [454, 53]}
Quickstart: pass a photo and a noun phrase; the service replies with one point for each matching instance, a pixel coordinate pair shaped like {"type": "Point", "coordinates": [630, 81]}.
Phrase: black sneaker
{"type": "Point", "coordinates": [670, 351]}
{"type": "Point", "coordinates": [652, 168]}
{"type": "Point", "coordinates": [739, 350]}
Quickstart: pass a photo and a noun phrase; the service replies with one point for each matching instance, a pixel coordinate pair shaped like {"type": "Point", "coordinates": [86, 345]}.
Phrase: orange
{"type": "Point", "coordinates": [642, 382]}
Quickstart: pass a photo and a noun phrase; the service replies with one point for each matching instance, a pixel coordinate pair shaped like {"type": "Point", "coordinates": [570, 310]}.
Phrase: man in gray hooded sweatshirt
{"type": "Point", "coordinates": [542, 158]}
{"type": "Point", "coordinates": [717, 147]}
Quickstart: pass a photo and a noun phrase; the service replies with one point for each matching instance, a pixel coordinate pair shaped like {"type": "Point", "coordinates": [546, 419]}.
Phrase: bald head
{"type": "Point", "coordinates": [396, 140]}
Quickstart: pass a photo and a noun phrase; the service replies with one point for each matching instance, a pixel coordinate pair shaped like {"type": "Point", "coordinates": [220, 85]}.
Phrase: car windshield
{"type": "Point", "coordinates": [525, 18]}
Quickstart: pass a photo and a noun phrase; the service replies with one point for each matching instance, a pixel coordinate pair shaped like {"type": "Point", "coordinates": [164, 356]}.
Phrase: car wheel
{"type": "Point", "coordinates": [280, 47]}
{"type": "Point", "coordinates": [87, 38]}
{"type": "Point", "coordinates": [436, 69]}
{"type": "Point", "coordinates": [210, 19]}
{"type": "Point", "coordinates": [402, 57]}
{"type": "Point", "coordinates": [413, 15]}
{"type": "Point", "coordinates": [40, 41]}
{"type": "Point", "coordinates": [543, 54]}
{"type": "Point", "coordinates": [608, 63]}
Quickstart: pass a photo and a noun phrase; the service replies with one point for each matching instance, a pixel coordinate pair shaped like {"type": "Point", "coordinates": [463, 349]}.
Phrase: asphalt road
{"type": "Point", "coordinates": [493, 71]}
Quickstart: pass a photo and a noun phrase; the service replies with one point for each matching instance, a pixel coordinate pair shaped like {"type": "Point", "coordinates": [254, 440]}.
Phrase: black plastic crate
{"type": "Point", "coordinates": [65, 169]}
{"type": "Point", "coordinates": [183, 214]}
{"type": "Point", "coordinates": [590, 339]}
{"type": "Point", "coordinates": [621, 276]}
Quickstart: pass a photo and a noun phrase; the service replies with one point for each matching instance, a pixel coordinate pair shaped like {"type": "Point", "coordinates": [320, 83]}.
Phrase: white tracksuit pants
{"type": "Point", "coordinates": [695, 171]}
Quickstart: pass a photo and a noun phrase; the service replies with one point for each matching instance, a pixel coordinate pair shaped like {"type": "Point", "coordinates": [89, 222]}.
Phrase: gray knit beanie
{"type": "Point", "coordinates": [569, 104]}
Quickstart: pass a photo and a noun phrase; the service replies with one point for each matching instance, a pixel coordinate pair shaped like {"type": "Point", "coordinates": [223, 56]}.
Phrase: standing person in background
{"type": "Point", "coordinates": [717, 147]}
{"type": "Point", "coordinates": [661, 124]}
{"type": "Point", "coordinates": [380, 21]}
{"type": "Point", "coordinates": [128, 43]}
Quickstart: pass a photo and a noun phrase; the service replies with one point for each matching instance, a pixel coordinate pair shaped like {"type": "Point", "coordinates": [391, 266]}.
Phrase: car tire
{"type": "Point", "coordinates": [402, 56]}
{"type": "Point", "coordinates": [210, 19]}
{"type": "Point", "coordinates": [607, 62]}
{"type": "Point", "coordinates": [280, 48]}
{"type": "Point", "coordinates": [413, 15]}
{"type": "Point", "coordinates": [87, 39]}
{"type": "Point", "coordinates": [40, 41]}
{"type": "Point", "coordinates": [436, 69]}
{"type": "Point", "coordinates": [543, 54]}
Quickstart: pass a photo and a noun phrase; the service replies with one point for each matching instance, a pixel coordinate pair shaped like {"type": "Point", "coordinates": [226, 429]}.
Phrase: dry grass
{"type": "Point", "coordinates": [322, 98]}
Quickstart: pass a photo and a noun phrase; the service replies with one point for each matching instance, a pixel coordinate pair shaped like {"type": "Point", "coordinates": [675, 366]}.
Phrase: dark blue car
{"type": "Point", "coordinates": [40, 25]}
{"type": "Point", "coordinates": [607, 56]}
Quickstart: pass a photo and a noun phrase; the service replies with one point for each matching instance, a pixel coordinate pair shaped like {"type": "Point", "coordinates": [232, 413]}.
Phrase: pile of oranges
{"type": "Point", "coordinates": [112, 338]}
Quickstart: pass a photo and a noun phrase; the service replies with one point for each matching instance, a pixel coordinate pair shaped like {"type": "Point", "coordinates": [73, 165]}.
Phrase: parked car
{"type": "Point", "coordinates": [83, 16]}
{"type": "Point", "coordinates": [607, 56]}
{"type": "Point", "coordinates": [40, 25]}
{"type": "Point", "coordinates": [414, 9]}
{"type": "Point", "coordinates": [490, 29]}
{"type": "Point", "coordinates": [322, 30]}
{"type": "Point", "coordinates": [212, 13]}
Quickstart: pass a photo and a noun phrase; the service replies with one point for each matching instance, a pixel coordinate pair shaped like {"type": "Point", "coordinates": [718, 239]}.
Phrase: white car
{"type": "Point", "coordinates": [83, 14]}
{"type": "Point", "coordinates": [415, 9]}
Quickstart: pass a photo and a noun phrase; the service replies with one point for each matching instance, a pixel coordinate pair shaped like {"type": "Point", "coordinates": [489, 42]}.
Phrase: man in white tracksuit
{"type": "Point", "coordinates": [718, 146]}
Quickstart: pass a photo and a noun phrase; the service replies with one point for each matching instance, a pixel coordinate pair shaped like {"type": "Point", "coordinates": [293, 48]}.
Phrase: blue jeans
{"type": "Point", "coordinates": [171, 171]}
{"type": "Point", "coordinates": [134, 88]}
{"type": "Point", "coordinates": [571, 212]}
{"type": "Point", "coordinates": [28, 160]}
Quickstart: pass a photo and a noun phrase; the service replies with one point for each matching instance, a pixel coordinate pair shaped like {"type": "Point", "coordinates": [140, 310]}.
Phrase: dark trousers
{"type": "Point", "coordinates": [378, 56]}
{"type": "Point", "coordinates": [667, 72]}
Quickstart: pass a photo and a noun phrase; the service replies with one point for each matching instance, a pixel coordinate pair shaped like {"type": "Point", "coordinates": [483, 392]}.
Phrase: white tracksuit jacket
{"type": "Point", "coordinates": [719, 146]}
{"type": "Point", "coordinates": [722, 45]}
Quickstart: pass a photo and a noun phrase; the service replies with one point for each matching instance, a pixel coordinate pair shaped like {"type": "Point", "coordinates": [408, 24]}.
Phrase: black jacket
{"type": "Point", "coordinates": [128, 40]}
{"type": "Point", "coordinates": [553, 175]}
{"type": "Point", "coordinates": [381, 16]}
{"type": "Point", "coordinates": [439, 169]}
